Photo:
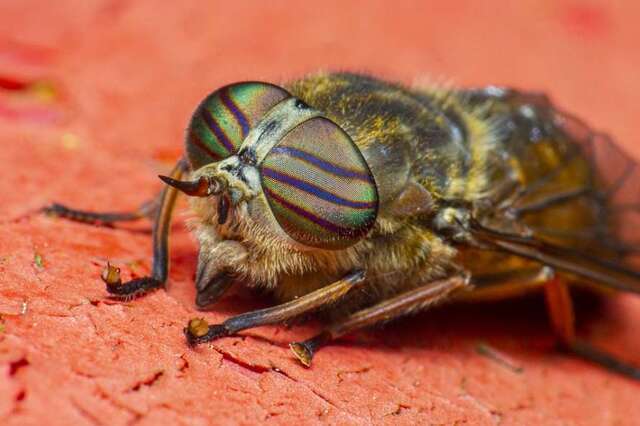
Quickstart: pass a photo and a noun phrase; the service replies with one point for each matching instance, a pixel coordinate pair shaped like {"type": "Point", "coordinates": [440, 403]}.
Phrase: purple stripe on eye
{"type": "Point", "coordinates": [195, 139]}
{"type": "Point", "coordinates": [315, 190]}
{"type": "Point", "coordinates": [321, 164]}
{"type": "Point", "coordinates": [231, 106]}
{"type": "Point", "coordinates": [215, 128]}
{"type": "Point", "coordinates": [332, 227]}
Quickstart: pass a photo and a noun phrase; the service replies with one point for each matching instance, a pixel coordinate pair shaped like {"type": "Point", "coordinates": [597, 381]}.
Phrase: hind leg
{"type": "Point", "coordinates": [561, 313]}
{"type": "Point", "coordinates": [403, 304]}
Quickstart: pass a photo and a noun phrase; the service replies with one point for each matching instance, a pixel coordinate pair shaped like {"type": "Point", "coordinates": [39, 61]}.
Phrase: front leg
{"type": "Point", "coordinates": [160, 268]}
{"type": "Point", "coordinates": [198, 331]}
{"type": "Point", "coordinates": [160, 209]}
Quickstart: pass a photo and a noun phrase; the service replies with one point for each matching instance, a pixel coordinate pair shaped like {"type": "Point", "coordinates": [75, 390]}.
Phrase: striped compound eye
{"type": "Point", "coordinates": [222, 121]}
{"type": "Point", "coordinates": [319, 187]}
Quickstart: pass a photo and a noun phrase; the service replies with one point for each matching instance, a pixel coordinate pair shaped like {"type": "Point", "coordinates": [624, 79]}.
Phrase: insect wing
{"type": "Point", "coordinates": [579, 209]}
{"type": "Point", "coordinates": [606, 188]}
{"type": "Point", "coordinates": [615, 190]}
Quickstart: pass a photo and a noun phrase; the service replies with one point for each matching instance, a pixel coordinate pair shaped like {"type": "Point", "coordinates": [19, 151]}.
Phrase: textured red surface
{"type": "Point", "coordinates": [94, 97]}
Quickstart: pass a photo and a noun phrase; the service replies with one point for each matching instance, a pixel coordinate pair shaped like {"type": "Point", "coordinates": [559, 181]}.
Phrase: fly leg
{"type": "Point", "coordinates": [147, 209]}
{"type": "Point", "coordinates": [161, 213]}
{"type": "Point", "coordinates": [403, 304]}
{"type": "Point", "coordinates": [560, 307]}
{"type": "Point", "coordinates": [198, 331]}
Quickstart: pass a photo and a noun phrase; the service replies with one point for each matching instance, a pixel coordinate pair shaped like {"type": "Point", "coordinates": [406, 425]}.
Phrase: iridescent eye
{"type": "Point", "coordinates": [221, 122]}
{"type": "Point", "coordinates": [319, 187]}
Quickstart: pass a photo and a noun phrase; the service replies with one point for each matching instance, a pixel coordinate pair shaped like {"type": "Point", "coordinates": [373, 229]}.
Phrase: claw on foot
{"type": "Point", "coordinates": [198, 327]}
{"type": "Point", "coordinates": [129, 290]}
{"type": "Point", "coordinates": [302, 352]}
{"type": "Point", "coordinates": [111, 276]}
{"type": "Point", "coordinates": [198, 331]}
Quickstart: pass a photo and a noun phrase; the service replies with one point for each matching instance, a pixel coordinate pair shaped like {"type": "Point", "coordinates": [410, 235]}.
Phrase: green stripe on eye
{"type": "Point", "coordinates": [319, 186]}
{"type": "Point", "coordinates": [222, 120]}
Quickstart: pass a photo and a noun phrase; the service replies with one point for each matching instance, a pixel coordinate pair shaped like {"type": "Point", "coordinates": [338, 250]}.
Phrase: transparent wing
{"type": "Point", "coordinates": [576, 202]}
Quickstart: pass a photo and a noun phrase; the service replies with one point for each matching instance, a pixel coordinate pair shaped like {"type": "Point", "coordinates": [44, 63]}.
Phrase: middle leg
{"type": "Point", "coordinates": [561, 313]}
{"type": "Point", "coordinates": [403, 304]}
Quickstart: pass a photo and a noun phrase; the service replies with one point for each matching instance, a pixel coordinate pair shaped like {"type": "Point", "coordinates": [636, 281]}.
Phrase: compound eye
{"type": "Point", "coordinates": [223, 119]}
{"type": "Point", "coordinates": [319, 186]}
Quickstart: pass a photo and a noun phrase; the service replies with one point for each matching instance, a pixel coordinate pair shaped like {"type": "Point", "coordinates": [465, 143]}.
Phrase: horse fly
{"type": "Point", "coordinates": [371, 200]}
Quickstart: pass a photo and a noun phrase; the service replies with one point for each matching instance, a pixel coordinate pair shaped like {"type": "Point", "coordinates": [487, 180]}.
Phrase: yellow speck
{"type": "Point", "coordinates": [70, 141]}
{"type": "Point", "coordinates": [44, 91]}
{"type": "Point", "coordinates": [38, 261]}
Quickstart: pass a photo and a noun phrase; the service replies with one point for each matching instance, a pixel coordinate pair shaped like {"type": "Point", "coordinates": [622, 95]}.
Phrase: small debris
{"type": "Point", "coordinates": [38, 261]}
{"type": "Point", "coordinates": [44, 91]}
{"type": "Point", "coordinates": [499, 357]}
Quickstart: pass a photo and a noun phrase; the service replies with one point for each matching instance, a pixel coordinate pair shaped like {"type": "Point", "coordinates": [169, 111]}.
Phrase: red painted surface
{"type": "Point", "coordinates": [124, 77]}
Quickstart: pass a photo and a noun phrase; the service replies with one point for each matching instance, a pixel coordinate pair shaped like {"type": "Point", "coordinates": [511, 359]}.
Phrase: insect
{"type": "Point", "coordinates": [371, 200]}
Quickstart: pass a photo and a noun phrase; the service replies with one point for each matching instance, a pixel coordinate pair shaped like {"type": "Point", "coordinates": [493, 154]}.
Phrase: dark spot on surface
{"type": "Point", "coordinates": [586, 20]}
{"type": "Point", "coordinates": [17, 365]}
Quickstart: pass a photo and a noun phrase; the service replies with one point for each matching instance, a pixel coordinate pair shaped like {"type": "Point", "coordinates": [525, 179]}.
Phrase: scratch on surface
{"type": "Point", "coordinates": [85, 413]}
{"type": "Point", "coordinates": [492, 413]}
{"type": "Point", "coordinates": [340, 374]}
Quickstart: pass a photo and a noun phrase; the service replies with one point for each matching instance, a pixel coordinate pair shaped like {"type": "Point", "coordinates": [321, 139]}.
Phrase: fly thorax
{"type": "Point", "coordinates": [453, 222]}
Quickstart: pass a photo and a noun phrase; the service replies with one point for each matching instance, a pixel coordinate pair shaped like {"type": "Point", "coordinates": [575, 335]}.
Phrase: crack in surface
{"type": "Point", "coordinates": [147, 382]}
{"type": "Point", "coordinates": [261, 369]}
{"type": "Point", "coordinates": [483, 407]}
{"type": "Point", "coordinates": [398, 411]}
{"type": "Point", "coordinates": [184, 364]}
{"type": "Point", "coordinates": [17, 365]}
{"type": "Point", "coordinates": [101, 393]}
{"type": "Point", "coordinates": [254, 368]}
